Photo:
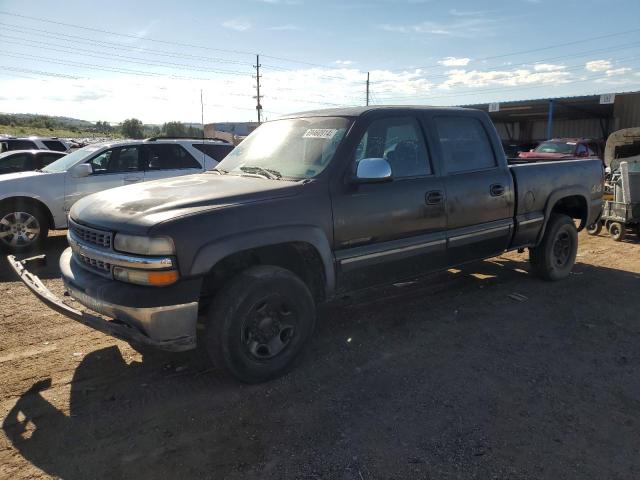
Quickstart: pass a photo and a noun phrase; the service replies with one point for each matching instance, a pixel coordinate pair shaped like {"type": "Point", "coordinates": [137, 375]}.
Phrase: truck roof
{"type": "Point", "coordinates": [357, 111]}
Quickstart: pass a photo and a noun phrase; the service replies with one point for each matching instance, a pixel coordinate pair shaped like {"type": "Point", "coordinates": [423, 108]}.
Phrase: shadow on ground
{"type": "Point", "coordinates": [447, 377]}
{"type": "Point", "coordinates": [54, 248]}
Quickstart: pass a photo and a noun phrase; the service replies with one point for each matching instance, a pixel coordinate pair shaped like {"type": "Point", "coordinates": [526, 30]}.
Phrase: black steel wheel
{"type": "Point", "coordinates": [595, 228]}
{"type": "Point", "coordinates": [259, 323]}
{"type": "Point", "coordinates": [617, 231]}
{"type": "Point", "coordinates": [555, 256]}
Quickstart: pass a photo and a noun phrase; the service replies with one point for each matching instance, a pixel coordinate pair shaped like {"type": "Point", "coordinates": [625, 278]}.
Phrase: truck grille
{"type": "Point", "coordinates": [92, 263]}
{"type": "Point", "coordinates": [91, 236]}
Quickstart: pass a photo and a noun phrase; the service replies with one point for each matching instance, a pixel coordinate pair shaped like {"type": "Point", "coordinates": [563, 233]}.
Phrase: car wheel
{"type": "Point", "coordinates": [554, 258]}
{"type": "Point", "coordinates": [617, 231]}
{"type": "Point", "coordinates": [23, 227]}
{"type": "Point", "coordinates": [595, 228]}
{"type": "Point", "coordinates": [259, 323]}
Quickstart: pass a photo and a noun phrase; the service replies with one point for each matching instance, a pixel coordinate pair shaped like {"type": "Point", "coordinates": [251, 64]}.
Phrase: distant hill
{"type": "Point", "coordinates": [27, 118]}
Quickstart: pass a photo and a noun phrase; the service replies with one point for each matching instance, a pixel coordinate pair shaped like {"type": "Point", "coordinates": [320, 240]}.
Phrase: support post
{"type": "Point", "coordinates": [550, 121]}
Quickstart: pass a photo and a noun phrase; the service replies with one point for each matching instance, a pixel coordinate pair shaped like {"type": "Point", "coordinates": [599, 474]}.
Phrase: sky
{"type": "Point", "coordinates": [151, 60]}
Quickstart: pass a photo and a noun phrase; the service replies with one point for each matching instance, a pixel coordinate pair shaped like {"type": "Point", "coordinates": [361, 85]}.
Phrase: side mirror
{"type": "Point", "coordinates": [373, 170]}
{"type": "Point", "coordinates": [4, 147]}
{"type": "Point", "coordinates": [81, 170]}
{"type": "Point", "coordinates": [583, 154]}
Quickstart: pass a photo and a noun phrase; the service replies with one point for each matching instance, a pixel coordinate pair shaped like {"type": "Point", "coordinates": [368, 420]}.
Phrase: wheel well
{"type": "Point", "coordinates": [299, 257]}
{"type": "Point", "coordinates": [574, 206]}
{"type": "Point", "coordinates": [18, 201]}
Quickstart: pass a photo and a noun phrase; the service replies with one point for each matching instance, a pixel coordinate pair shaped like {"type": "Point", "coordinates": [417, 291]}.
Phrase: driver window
{"type": "Point", "coordinates": [117, 160]}
{"type": "Point", "coordinates": [582, 150]}
{"type": "Point", "coordinates": [399, 141]}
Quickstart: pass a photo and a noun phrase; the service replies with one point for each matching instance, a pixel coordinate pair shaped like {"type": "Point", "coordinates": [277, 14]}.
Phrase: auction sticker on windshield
{"type": "Point", "coordinates": [326, 133]}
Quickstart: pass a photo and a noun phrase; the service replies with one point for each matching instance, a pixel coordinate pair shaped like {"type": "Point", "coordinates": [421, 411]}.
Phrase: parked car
{"type": "Point", "coordinates": [26, 160]}
{"type": "Point", "coordinates": [514, 147]}
{"type": "Point", "coordinates": [308, 207]}
{"type": "Point", "coordinates": [33, 202]}
{"type": "Point", "coordinates": [564, 149]}
{"type": "Point", "coordinates": [33, 143]}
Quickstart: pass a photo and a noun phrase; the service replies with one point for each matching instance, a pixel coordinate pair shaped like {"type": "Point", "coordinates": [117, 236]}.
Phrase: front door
{"type": "Point", "coordinates": [384, 232]}
{"type": "Point", "coordinates": [479, 190]}
{"type": "Point", "coordinates": [111, 168]}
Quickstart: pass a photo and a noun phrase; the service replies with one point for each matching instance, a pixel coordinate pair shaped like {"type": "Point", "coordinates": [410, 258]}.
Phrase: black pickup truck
{"type": "Point", "coordinates": [233, 262]}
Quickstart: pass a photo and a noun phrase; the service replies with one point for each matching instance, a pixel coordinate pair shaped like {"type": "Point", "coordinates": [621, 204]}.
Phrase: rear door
{"type": "Point", "coordinates": [164, 160]}
{"type": "Point", "coordinates": [385, 232]}
{"type": "Point", "coordinates": [478, 186]}
{"type": "Point", "coordinates": [112, 168]}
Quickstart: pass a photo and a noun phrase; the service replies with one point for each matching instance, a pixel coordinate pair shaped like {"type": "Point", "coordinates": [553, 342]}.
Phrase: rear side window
{"type": "Point", "coordinates": [21, 145]}
{"type": "Point", "coordinates": [464, 143]}
{"type": "Point", "coordinates": [217, 152]}
{"type": "Point", "coordinates": [19, 162]}
{"type": "Point", "coordinates": [169, 157]}
{"type": "Point", "coordinates": [55, 145]}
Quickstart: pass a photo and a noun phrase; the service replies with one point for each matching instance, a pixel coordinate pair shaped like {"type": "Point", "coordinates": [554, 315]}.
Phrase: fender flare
{"type": "Point", "coordinates": [556, 195]}
{"type": "Point", "coordinates": [211, 253]}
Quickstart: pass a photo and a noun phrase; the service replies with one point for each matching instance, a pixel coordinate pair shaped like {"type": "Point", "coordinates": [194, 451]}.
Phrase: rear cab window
{"type": "Point", "coordinates": [464, 143]}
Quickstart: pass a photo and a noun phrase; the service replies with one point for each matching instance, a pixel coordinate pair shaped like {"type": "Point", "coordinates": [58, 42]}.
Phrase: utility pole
{"type": "Point", "coordinates": [258, 97]}
{"type": "Point", "coordinates": [367, 89]}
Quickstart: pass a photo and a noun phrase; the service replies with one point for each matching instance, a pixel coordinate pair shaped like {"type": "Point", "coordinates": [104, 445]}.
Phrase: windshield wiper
{"type": "Point", "coordinates": [221, 171]}
{"type": "Point", "coordinates": [265, 172]}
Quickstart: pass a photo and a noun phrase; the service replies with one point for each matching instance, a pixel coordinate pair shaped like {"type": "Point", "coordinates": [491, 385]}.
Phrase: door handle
{"type": "Point", "coordinates": [434, 197]}
{"type": "Point", "coordinates": [496, 190]}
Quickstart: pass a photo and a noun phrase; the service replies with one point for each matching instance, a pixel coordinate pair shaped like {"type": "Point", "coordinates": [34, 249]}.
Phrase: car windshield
{"type": "Point", "coordinates": [556, 147]}
{"type": "Point", "coordinates": [68, 161]}
{"type": "Point", "coordinates": [293, 149]}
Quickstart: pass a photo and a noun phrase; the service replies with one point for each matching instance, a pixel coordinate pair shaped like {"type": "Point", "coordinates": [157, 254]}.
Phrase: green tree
{"type": "Point", "coordinates": [132, 128]}
{"type": "Point", "coordinates": [174, 129]}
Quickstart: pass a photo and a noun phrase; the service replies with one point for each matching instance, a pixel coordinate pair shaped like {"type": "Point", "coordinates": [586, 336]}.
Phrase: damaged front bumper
{"type": "Point", "coordinates": [170, 327]}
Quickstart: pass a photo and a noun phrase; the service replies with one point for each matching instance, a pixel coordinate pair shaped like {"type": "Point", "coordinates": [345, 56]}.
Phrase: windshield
{"type": "Point", "coordinates": [293, 149]}
{"type": "Point", "coordinates": [68, 161]}
{"type": "Point", "coordinates": [556, 147]}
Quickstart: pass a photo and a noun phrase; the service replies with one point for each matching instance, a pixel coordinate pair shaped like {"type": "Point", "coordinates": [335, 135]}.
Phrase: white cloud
{"type": "Point", "coordinates": [598, 65]}
{"type": "Point", "coordinates": [617, 71]}
{"type": "Point", "coordinates": [547, 67]}
{"type": "Point", "coordinates": [454, 62]}
{"type": "Point", "coordinates": [464, 27]}
{"type": "Point", "coordinates": [237, 25]}
{"type": "Point", "coordinates": [285, 28]}
{"type": "Point", "coordinates": [523, 76]}
{"type": "Point", "coordinates": [344, 62]}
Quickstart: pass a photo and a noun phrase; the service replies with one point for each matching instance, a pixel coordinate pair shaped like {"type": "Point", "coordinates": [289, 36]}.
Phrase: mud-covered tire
{"type": "Point", "coordinates": [18, 221]}
{"type": "Point", "coordinates": [554, 258]}
{"type": "Point", "coordinates": [617, 231]}
{"type": "Point", "coordinates": [259, 323]}
{"type": "Point", "coordinates": [594, 229]}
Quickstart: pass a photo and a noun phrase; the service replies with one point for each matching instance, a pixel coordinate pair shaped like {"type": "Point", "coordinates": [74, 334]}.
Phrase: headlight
{"type": "Point", "coordinates": [143, 245]}
{"type": "Point", "coordinates": [158, 278]}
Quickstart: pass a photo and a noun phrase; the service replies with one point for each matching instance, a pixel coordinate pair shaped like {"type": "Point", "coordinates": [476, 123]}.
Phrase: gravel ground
{"type": "Point", "coordinates": [448, 377]}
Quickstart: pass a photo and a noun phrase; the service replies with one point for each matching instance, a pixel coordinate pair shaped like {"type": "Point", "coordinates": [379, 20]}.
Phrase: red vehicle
{"type": "Point", "coordinates": [564, 149]}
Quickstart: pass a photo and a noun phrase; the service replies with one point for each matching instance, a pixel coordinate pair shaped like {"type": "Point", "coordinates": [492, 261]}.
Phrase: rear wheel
{"type": "Point", "coordinates": [23, 227]}
{"type": "Point", "coordinates": [259, 323]}
{"type": "Point", "coordinates": [595, 228]}
{"type": "Point", "coordinates": [617, 231]}
{"type": "Point", "coordinates": [554, 258]}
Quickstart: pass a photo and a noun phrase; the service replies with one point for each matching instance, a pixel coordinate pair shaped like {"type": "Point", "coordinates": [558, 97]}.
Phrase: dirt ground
{"type": "Point", "coordinates": [448, 377]}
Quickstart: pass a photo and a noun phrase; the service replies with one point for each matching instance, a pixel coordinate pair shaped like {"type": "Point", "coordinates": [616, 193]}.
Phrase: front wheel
{"type": "Point", "coordinates": [595, 228]}
{"type": "Point", "coordinates": [23, 228]}
{"type": "Point", "coordinates": [259, 323]}
{"type": "Point", "coordinates": [554, 258]}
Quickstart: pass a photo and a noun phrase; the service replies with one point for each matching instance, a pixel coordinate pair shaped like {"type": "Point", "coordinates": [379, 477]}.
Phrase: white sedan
{"type": "Point", "coordinates": [32, 203]}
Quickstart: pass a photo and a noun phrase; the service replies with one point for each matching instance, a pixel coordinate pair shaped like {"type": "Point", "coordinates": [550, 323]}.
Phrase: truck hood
{"type": "Point", "coordinates": [545, 156]}
{"type": "Point", "coordinates": [136, 208]}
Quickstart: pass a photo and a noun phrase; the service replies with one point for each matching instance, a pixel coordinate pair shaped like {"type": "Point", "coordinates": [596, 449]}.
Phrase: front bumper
{"type": "Point", "coordinates": [168, 327]}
